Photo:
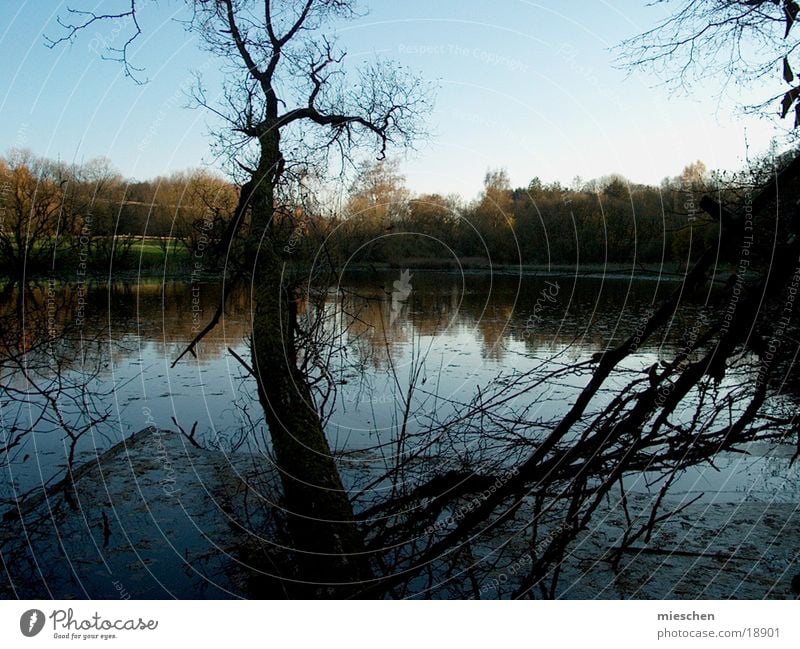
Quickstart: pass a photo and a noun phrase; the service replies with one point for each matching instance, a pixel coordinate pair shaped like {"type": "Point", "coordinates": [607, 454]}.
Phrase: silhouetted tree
{"type": "Point", "coordinates": [284, 83]}
{"type": "Point", "coordinates": [740, 41]}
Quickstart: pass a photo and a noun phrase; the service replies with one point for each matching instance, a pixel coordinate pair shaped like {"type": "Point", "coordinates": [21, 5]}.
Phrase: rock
{"type": "Point", "coordinates": [153, 515]}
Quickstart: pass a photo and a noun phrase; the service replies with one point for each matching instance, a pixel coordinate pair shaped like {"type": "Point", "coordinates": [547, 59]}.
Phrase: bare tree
{"type": "Point", "coordinates": [737, 41]}
{"type": "Point", "coordinates": [285, 83]}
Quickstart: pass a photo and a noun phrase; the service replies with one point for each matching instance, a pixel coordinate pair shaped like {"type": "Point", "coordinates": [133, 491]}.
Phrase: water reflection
{"type": "Point", "coordinates": [450, 333]}
{"type": "Point", "coordinates": [497, 313]}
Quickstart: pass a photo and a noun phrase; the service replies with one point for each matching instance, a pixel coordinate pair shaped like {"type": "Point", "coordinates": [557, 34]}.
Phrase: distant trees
{"type": "Point", "coordinates": [190, 208]}
{"type": "Point", "coordinates": [383, 221]}
{"type": "Point", "coordinates": [439, 218]}
{"type": "Point", "coordinates": [39, 202]}
{"type": "Point", "coordinates": [379, 193]}
{"type": "Point", "coordinates": [104, 224]}
{"type": "Point", "coordinates": [695, 230]}
{"type": "Point", "coordinates": [493, 218]}
{"type": "Point", "coordinates": [378, 202]}
{"type": "Point", "coordinates": [54, 215]}
{"type": "Point", "coordinates": [608, 220]}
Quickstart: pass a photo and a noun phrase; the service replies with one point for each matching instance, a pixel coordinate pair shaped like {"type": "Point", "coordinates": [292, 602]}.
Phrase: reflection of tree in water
{"type": "Point", "coordinates": [48, 367]}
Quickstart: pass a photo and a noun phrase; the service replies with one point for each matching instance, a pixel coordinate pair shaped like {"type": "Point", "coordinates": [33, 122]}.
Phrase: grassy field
{"type": "Point", "coordinates": [151, 254]}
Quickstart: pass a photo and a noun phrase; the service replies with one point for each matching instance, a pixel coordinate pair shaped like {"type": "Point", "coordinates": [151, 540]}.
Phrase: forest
{"type": "Point", "coordinates": [55, 215]}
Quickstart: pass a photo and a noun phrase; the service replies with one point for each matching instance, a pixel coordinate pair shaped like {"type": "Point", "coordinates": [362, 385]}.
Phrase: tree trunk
{"type": "Point", "coordinates": [320, 517]}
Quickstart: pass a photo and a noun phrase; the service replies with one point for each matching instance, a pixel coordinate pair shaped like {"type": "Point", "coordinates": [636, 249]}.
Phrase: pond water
{"type": "Point", "coordinates": [448, 335]}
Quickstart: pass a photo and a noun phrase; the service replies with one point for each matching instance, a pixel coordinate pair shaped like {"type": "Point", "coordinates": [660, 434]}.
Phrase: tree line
{"type": "Point", "coordinates": [605, 220]}
{"type": "Point", "coordinates": [55, 214]}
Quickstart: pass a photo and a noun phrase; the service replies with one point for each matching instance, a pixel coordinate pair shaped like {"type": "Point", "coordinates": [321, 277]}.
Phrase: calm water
{"type": "Point", "coordinates": [449, 335]}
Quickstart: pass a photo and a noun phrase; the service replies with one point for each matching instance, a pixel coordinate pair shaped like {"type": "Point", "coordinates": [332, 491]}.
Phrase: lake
{"type": "Point", "coordinates": [413, 349]}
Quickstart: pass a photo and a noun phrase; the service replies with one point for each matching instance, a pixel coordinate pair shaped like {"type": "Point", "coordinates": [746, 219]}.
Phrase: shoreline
{"type": "Point", "coordinates": [616, 272]}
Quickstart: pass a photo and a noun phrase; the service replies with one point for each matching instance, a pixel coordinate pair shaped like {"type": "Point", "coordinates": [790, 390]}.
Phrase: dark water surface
{"type": "Point", "coordinates": [447, 334]}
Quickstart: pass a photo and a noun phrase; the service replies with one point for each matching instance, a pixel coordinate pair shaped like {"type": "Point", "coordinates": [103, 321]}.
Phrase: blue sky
{"type": "Point", "coordinates": [529, 86]}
